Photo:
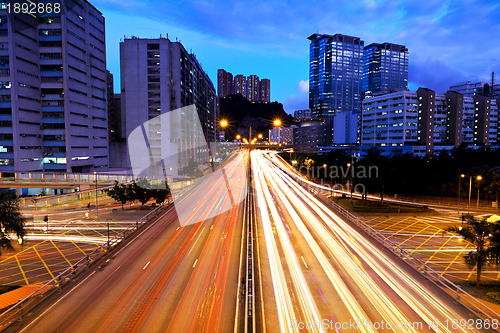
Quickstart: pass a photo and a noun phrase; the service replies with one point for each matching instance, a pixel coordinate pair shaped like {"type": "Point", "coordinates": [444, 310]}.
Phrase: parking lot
{"type": "Point", "coordinates": [426, 238]}
{"type": "Point", "coordinates": [70, 237]}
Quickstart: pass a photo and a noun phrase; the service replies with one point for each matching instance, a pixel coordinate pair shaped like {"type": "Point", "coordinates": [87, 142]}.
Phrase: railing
{"type": "Point", "coordinates": [54, 177]}
{"type": "Point", "coordinates": [461, 296]}
{"type": "Point", "coordinates": [17, 311]}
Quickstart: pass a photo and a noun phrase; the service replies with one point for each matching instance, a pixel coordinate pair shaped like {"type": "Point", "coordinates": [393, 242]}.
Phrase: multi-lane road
{"type": "Point", "coordinates": [316, 271]}
{"type": "Point", "coordinates": [169, 278]}
{"type": "Point", "coordinates": [321, 272]}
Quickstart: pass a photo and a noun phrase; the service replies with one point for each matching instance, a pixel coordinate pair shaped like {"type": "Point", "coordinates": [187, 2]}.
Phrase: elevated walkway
{"type": "Point", "coordinates": [59, 180]}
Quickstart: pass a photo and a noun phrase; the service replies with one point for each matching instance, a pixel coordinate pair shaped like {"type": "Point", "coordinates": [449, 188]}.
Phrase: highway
{"type": "Point", "coordinates": [175, 277]}
{"type": "Point", "coordinates": [319, 273]}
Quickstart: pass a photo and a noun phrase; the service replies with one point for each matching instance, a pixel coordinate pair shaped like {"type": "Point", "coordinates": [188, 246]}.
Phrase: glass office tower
{"type": "Point", "coordinates": [335, 74]}
{"type": "Point", "coordinates": [385, 68]}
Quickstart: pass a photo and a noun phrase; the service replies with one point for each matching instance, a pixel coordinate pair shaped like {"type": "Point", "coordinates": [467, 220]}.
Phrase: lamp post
{"type": "Point", "coordinates": [458, 200]}
{"type": "Point", "coordinates": [470, 190]}
{"type": "Point", "coordinates": [277, 123]}
{"type": "Point", "coordinates": [108, 234]}
{"type": "Point", "coordinates": [223, 124]}
{"type": "Point", "coordinates": [96, 200]}
{"type": "Point", "coordinates": [478, 178]}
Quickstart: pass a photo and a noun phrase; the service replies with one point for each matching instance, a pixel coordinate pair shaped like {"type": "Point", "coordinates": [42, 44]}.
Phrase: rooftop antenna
{"type": "Point", "coordinates": [492, 84]}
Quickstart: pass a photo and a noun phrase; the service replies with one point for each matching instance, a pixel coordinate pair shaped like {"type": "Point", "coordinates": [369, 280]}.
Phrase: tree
{"type": "Point", "coordinates": [494, 182]}
{"type": "Point", "coordinates": [374, 158]}
{"type": "Point", "coordinates": [141, 191]}
{"type": "Point", "coordinates": [160, 195]}
{"type": "Point", "coordinates": [120, 193]}
{"type": "Point", "coordinates": [11, 220]}
{"type": "Point", "coordinates": [478, 232]}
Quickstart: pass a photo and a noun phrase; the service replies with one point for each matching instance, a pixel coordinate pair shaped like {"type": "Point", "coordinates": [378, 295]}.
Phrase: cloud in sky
{"type": "Point", "coordinates": [449, 41]}
{"type": "Point", "coordinates": [300, 101]}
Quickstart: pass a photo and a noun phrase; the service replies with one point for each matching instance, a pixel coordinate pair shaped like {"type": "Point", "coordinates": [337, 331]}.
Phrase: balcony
{"type": "Point", "coordinates": [49, 38]}
{"type": "Point", "coordinates": [49, 108]}
{"type": "Point", "coordinates": [52, 73]}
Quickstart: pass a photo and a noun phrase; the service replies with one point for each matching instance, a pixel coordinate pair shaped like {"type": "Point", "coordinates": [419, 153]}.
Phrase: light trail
{"type": "Point", "coordinates": [395, 295]}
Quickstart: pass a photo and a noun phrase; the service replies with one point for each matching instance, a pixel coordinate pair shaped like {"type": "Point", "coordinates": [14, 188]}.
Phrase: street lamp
{"type": "Point", "coordinates": [277, 123]}
{"type": "Point", "coordinates": [96, 200]}
{"type": "Point", "coordinates": [478, 178]}
{"type": "Point", "coordinates": [223, 124]}
{"type": "Point", "coordinates": [458, 201]}
{"type": "Point", "coordinates": [470, 190]}
{"type": "Point", "coordinates": [238, 137]}
{"type": "Point", "coordinates": [260, 136]}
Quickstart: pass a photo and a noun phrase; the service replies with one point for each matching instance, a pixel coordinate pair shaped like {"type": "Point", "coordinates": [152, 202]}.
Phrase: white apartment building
{"type": "Point", "coordinates": [158, 76]}
{"type": "Point", "coordinates": [429, 121]}
{"type": "Point", "coordinates": [53, 112]}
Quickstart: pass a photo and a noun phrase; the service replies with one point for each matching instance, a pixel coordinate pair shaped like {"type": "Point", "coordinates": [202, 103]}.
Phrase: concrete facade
{"type": "Point", "coordinates": [54, 103]}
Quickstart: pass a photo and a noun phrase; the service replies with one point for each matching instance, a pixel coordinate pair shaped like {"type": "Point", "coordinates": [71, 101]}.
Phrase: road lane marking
{"type": "Point", "coordinates": [43, 262]}
{"type": "Point", "coordinates": [177, 228]}
{"type": "Point", "coordinates": [312, 276]}
{"type": "Point", "coordinates": [304, 262]}
{"type": "Point", "coordinates": [211, 227]}
{"type": "Point", "coordinates": [62, 254]}
{"type": "Point", "coordinates": [21, 269]}
{"type": "Point", "coordinates": [146, 265]}
{"type": "Point", "coordinates": [195, 263]}
{"type": "Point", "coordinates": [322, 296]}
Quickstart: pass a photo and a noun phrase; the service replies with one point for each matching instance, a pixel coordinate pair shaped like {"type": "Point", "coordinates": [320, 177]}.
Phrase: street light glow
{"type": "Point", "coordinates": [260, 136]}
{"type": "Point", "coordinates": [277, 122]}
{"type": "Point", "coordinates": [238, 137]}
{"type": "Point", "coordinates": [223, 123]}
{"type": "Point", "coordinates": [479, 177]}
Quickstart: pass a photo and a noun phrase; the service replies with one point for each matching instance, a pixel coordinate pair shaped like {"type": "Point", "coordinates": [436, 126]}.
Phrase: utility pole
{"type": "Point", "coordinates": [250, 138]}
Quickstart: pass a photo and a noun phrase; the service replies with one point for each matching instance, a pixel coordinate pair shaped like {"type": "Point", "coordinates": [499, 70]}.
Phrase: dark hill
{"type": "Point", "coordinates": [240, 113]}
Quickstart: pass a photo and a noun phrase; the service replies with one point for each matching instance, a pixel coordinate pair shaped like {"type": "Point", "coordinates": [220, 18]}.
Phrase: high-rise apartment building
{"type": "Point", "coordinates": [53, 113]}
{"type": "Point", "coordinates": [253, 88]}
{"type": "Point", "coordinates": [250, 87]}
{"type": "Point", "coordinates": [158, 76]}
{"type": "Point", "coordinates": [385, 68]}
{"type": "Point", "coordinates": [265, 90]}
{"type": "Point", "coordinates": [240, 85]}
{"type": "Point", "coordinates": [224, 83]}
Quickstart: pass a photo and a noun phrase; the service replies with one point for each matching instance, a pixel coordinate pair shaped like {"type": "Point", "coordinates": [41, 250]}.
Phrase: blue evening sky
{"type": "Point", "coordinates": [448, 41]}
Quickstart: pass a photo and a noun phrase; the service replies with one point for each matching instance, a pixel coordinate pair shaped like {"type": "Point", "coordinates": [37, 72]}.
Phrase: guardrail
{"type": "Point", "coordinates": [430, 274]}
{"type": "Point", "coordinates": [461, 295]}
{"type": "Point", "coordinates": [17, 311]}
{"type": "Point", "coordinates": [54, 177]}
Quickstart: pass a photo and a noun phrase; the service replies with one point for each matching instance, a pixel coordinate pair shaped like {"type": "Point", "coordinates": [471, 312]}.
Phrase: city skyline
{"type": "Point", "coordinates": [277, 48]}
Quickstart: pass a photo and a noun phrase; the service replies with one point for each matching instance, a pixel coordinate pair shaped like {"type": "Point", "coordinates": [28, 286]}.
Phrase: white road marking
{"type": "Point", "coordinates": [195, 263]}
{"type": "Point", "coordinates": [146, 265]}
{"type": "Point", "coordinates": [304, 262]}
